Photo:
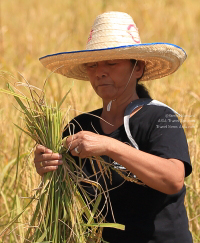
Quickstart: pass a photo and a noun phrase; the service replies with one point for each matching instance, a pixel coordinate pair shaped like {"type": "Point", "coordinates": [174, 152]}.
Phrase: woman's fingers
{"type": "Point", "coordinates": [72, 141]}
{"type": "Point", "coordinates": [45, 160]}
{"type": "Point", "coordinates": [44, 166]}
{"type": "Point", "coordinates": [47, 157]}
{"type": "Point", "coordinates": [42, 170]}
{"type": "Point", "coordinates": [50, 163]}
{"type": "Point", "coordinates": [77, 151]}
{"type": "Point", "coordinates": [85, 144]}
{"type": "Point", "coordinates": [40, 149]}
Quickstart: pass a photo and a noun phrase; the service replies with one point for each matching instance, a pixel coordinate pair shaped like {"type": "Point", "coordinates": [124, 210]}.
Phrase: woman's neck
{"type": "Point", "coordinates": [116, 114]}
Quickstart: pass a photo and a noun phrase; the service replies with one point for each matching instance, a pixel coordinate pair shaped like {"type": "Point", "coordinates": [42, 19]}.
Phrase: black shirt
{"type": "Point", "coordinates": [149, 216]}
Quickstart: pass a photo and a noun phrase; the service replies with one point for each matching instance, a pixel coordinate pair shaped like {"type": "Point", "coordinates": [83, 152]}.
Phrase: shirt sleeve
{"type": "Point", "coordinates": [166, 137]}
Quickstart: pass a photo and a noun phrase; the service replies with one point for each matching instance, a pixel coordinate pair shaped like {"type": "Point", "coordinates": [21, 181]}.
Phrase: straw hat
{"type": "Point", "coordinates": [114, 35]}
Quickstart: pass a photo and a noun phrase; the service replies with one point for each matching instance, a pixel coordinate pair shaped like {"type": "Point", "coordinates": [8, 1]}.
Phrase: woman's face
{"type": "Point", "coordinates": [109, 78]}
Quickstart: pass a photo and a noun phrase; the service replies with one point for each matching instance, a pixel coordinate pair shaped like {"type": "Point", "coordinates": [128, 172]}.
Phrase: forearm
{"type": "Point", "coordinates": [165, 175]}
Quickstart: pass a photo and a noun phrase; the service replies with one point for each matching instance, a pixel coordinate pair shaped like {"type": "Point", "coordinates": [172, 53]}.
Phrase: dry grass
{"type": "Point", "coordinates": [31, 29]}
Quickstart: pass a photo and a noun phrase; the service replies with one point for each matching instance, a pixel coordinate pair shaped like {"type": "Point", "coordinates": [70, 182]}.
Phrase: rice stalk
{"type": "Point", "coordinates": [64, 211]}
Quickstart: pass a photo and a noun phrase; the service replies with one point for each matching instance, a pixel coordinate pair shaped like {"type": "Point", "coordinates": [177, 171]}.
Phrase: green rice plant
{"type": "Point", "coordinates": [64, 210]}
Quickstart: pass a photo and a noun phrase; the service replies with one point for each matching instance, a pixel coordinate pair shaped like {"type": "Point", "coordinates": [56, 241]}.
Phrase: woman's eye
{"type": "Point", "coordinates": [91, 65]}
{"type": "Point", "coordinates": [112, 63]}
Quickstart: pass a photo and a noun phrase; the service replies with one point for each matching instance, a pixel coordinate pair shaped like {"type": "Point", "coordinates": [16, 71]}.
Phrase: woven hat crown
{"type": "Point", "coordinates": [113, 29]}
{"type": "Point", "coordinates": [114, 35]}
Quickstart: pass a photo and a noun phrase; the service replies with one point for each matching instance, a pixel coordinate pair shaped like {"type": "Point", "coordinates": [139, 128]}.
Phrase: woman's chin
{"type": "Point", "coordinates": [106, 95]}
{"type": "Point", "coordinates": [107, 98]}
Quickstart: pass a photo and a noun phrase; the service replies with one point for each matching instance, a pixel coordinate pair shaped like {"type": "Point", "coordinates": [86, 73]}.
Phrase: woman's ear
{"type": "Point", "coordinates": [139, 69]}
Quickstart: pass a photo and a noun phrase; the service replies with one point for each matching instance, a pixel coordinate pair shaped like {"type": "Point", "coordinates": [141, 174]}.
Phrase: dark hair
{"type": "Point", "coordinates": [141, 90]}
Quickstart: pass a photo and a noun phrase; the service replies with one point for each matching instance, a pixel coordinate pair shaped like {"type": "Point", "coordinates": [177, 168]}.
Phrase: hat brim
{"type": "Point", "coordinates": [161, 59]}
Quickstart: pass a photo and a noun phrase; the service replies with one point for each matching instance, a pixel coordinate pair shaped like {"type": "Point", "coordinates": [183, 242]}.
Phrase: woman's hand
{"type": "Point", "coordinates": [85, 144]}
{"type": "Point", "coordinates": [45, 160]}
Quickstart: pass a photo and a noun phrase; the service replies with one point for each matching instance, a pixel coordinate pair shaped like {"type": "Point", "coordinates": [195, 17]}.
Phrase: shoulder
{"type": "Point", "coordinates": [154, 117]}
{"type": "Point", "coordinates": [150, 115]}
{"type": "Point", "coordinates": [154, 111]}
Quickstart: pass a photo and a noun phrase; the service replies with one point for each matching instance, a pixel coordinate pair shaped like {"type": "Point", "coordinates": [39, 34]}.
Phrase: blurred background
{"type": "Point", "coordinates": [30, 29]}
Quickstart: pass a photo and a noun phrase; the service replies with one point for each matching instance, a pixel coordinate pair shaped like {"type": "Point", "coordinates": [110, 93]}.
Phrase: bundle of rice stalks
{"type": "Point", "coordinates": [64, 210]}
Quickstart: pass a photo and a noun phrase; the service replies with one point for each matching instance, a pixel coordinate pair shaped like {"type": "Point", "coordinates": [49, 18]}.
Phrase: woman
{"type": "Point", "coordinates": [114, 62]}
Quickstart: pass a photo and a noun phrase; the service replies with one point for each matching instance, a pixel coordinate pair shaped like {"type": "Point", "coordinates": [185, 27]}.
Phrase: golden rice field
{"type": "Point", "coordinates": [30, 29]}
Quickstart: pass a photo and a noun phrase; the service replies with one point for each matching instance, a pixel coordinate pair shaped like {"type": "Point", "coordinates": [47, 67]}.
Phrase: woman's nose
{"type": "Point", "coordinates": [101, 70]}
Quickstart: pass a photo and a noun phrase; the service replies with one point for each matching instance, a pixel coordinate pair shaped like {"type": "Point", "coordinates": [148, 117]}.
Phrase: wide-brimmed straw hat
{"type": "Point", "coordinates": [114, 35]}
